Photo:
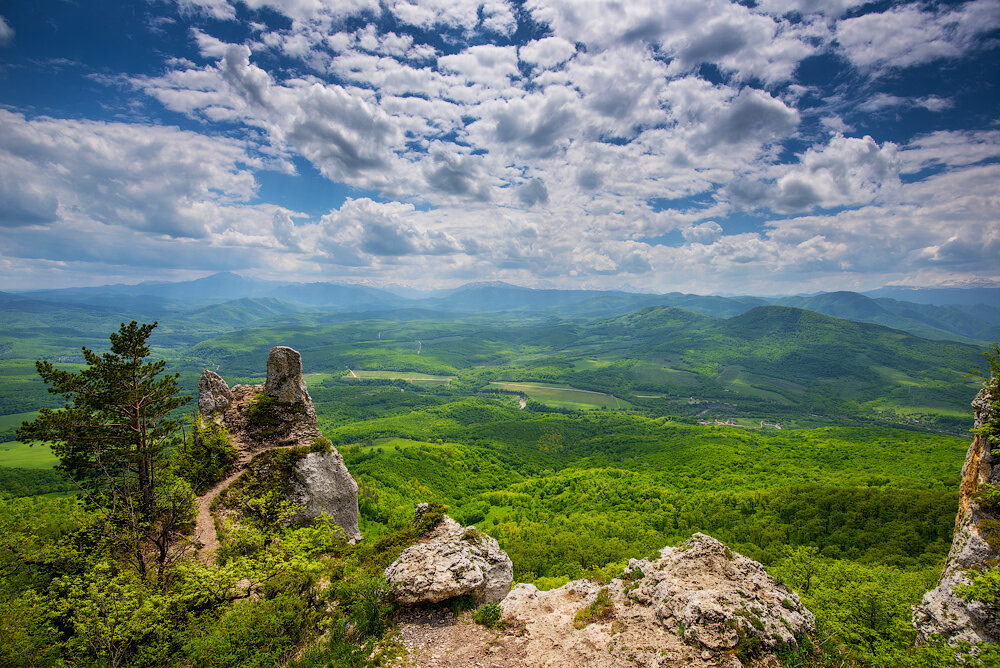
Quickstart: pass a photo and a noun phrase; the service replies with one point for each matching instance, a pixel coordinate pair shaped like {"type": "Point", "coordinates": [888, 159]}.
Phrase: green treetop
{"type": "Point", "coordinates": [111, 434]}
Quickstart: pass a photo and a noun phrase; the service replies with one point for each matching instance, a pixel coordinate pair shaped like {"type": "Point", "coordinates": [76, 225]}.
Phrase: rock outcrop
{"type": "Point", "coordinates": [942, 612]}
{"type": "Point", "coordinates": [280, 414]}
{"type": "Point", "coordinates": [321, 484]}
{"type": "Point", "coordinates": [214, 395]}
{"type": "Point", "coordinates": [284, 377]}
{"type": "Point", "coordinates": [450, 561]}
{"type": "Point", "coordinates": [699, 605]}
{"type": "Point", "coordinates": [698, 601]}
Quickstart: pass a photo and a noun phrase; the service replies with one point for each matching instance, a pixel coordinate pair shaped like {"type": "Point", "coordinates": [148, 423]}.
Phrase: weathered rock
{"type": "Point", "coordinates": [284, 377]}
{"type": "Point", "coordinates": [718, 595]}
{"type": "Point", "coordinates": [699, 604]}
{"type": "Point", "coordinates": [321, 484]}
{"type": "Point", "coordinates": [450, 561]}
{"type": "Point", "coordinates": [942, 612]}
{"type": "Point", "coordinates": [214, 395]}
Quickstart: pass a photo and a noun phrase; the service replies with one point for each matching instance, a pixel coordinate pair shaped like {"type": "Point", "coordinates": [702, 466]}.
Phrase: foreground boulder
{"type": "Point", "coordinates": [450, 561]}
{"type": "Point", "coordinates": [699, 604]}
{"type": "Point", "coordinates": [280, 414]}
{"type": "Point", "coordinates": [943, 613]}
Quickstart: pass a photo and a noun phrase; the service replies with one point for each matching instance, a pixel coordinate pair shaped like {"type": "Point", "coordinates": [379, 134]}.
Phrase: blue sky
{"type": "Point", "coordinates": [768, 147]}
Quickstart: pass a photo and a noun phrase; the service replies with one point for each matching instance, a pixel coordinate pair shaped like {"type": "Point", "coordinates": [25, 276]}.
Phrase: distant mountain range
{"type": "Point", "coordinates": [971, 315]}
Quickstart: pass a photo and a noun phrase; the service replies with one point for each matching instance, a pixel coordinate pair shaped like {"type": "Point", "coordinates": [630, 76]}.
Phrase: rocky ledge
{"type": "Point", "coordinates": [943, 613]}
{"type": "Point", "coordinates": [698, 605]}
{"type": "Point", "coordinates": [450, 561]}
{"type": "Point", "coordinates": [279, 413]}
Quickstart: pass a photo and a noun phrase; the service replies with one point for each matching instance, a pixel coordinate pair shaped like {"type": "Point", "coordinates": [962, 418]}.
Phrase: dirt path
{"type": "Point", "coordinates": [204, 528]}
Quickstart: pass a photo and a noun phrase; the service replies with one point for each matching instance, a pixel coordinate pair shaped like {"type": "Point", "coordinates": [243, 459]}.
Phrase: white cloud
{"type": "Point", "coordinates": [949, 148]}
{"type": "Point", "coordinates": [159, 180]}
{"type": "Point", "coordinates": [828, 8]}
{"type": "Point", "coordinates": [909, 35]}
{"type": "Point", "coordinates": [537, 162]}
{"type": "Point", "coordinates": [881, 101]}
{"type": "Point", "coordinates": [547, 52]}
{"type": "Point", "coordinates": [704, 233]}
{"type": "Point", "coordinates": [737, 39]}
{"type": "Point", "coordinates": [846, 172]}
{"type": "Point", "coordinates": [6, 32]}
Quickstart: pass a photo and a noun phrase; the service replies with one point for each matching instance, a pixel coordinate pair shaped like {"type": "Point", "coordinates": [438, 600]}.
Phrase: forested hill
{"type": "Point", "coordinates": [947, 314]}
{"type": "Point", "coordinates": [767, 363]}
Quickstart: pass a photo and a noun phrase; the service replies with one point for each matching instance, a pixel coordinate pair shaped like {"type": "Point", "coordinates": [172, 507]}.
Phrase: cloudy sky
{"type": "Point", "coordinates": [768, 146]}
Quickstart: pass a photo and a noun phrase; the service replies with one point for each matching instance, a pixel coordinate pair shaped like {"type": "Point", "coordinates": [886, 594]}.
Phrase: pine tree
{"type": "Point", "coordinates": [111, 436]}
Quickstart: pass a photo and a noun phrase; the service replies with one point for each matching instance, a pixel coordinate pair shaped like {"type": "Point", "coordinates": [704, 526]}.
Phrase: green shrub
{"type": "Point", "coordinates": [490, 616]}
{"type": "Point", "coordinates": [206, 458]}
{"type": "Point", "coordinates": [251, 633]}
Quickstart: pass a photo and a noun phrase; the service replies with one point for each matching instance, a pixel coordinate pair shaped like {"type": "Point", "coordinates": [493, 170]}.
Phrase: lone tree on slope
{"type": "Point", "coordinates": [110, 438]}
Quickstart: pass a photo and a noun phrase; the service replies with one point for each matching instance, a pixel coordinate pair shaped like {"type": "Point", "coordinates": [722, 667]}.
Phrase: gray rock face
{"type": "Point", "coordinates": [214, 395]}
{"type": "Point", "coordinates": [942, 612]}
{"type": "Point", "coordinates": [321, 484]}
{"type": "Point", "coordinates": [690, 607]}
{"type": "Point", "coordinates": [450, 561]}
{"type": "Point", "coordinates": [705, 586]}
{"type": "Point", "coordinates": [284, 377]}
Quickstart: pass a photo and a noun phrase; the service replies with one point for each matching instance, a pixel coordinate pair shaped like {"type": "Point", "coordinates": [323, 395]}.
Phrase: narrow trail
{"type": "Point", "coordinates": [204, 530]}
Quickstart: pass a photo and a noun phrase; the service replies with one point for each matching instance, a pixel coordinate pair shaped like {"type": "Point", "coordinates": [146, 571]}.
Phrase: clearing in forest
{"type": "Point", "coordinates": [408, 376]}
{"type": "Point", "coordinates": [564, 397]}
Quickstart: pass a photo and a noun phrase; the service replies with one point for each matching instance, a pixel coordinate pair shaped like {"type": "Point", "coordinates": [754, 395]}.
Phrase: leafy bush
{"type": "Point", "coordinates": [251, 633]}
{"type": "Point", "coordinates": [205, 459]}
{"type": "Point", "coordinates": [490, 616]}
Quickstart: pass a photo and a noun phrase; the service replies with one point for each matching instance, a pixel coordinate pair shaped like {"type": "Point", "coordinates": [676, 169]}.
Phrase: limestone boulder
{"type": "Point", "coordinates": [718, 596]}
{"type": "Point", "coordinates": [214, 395]}
{"type": "Point", "coordinates": [321, 484]}
{"type": "Point", "coordinates": [284, 377]}
{"type": "Point", "coordinates": [698, 605]}
{"type": "Point", "coordinates": [450, 561]}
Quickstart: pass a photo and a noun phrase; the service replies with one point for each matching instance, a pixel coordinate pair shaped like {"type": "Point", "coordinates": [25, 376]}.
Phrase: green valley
{"type": "Point", "coordinates": [582, 442]}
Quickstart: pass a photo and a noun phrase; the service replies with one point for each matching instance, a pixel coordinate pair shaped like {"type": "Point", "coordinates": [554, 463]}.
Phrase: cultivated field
{"type": "Point", "coordinates": [408, 376]}
{"type": "Point", "coordinates": [563, 397]}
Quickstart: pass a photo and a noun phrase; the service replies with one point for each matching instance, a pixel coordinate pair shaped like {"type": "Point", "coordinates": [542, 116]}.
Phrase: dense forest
{"type": "Point", "coordinates": [577, 444]}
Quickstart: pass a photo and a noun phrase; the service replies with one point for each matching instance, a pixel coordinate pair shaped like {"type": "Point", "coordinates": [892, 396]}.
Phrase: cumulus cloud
{"type": "Point", "coordinates": [547, 52]}
{"type": "Point", "coordinates": [730, 35]}
{"type": "Point", "coordinates": [703, 233]}
{"type": "Point", "coordinates": [848, 171]}
{"type": "Point", "coordinates": [909, 35]}
{"type": "Point", "coordinates": [530, 159]}
{"type": "Point", "coordinates": [157, 179]}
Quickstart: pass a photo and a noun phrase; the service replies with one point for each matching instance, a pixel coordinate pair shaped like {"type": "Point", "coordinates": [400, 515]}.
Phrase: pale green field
{"type": "Point", "coordinates": [389, 444]}
{"type": "Point", "coordinates": [409, 376]}
{"type": "Point", "coordinates": [660, 374]}
{"type": "Point", "coordinates": [563, 397]}
{"type": "Point", "coordinates": [15, 454]}
{"type": "Point", "coordinates": [14, 420]}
